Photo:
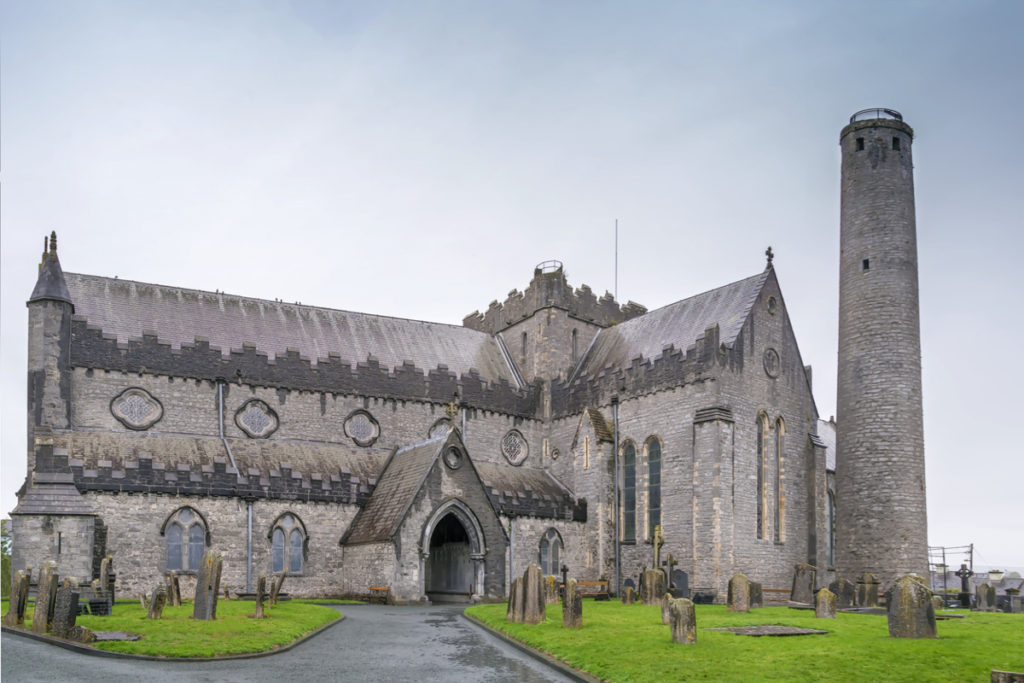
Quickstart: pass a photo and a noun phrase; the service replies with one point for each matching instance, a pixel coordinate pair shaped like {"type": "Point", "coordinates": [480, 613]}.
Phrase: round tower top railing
{"type": "Point", "coordinates": [549, 266]}
{"type": "Point", "coordinates": [867, 114]}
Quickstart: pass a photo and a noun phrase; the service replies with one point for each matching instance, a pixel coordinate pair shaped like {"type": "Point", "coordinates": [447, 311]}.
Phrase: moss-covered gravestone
{"type": "Point", "coordinates": [684, 621]}
{"type": "Point", "coordinates": [627, 596]}
{"type": "Point", "coordinates": [653, 587]}
{"type": "Point", "coordinates": [825, 604]}
{"type": "Point", "coordinates": [910, 610]}
{"type": "Point", "coordinates": [46, 594]}
{"type": "Point", "coordinates": [551, 596]}
{"type": "Point", "coordinates": [515, 601]}
{"type": "Point", "coordinates": [938, 603]}
{"type": "Point", "coordinates": [867, 591]}
{"type": "Point", "coordinates": [18, 599]}
{"type": "Point", "coordinates": [275, 586]}
{"type": "Point", "coordinates": [261, 595]}
{"type": "Point", "coordinates": [739, 593]}
{"type": "Point", "coordinates": [533, 588]}
{"type": "Point", "coordinates": [208, 586]}
{"type": "Point", "coordinates": [572, 608]}
{"type": "Point", "coordinates": [804, 576]}
{"type": "Point", "coordinates": [157, 602]}
{"type": "Point", "coordinates": [65, 608]}
{"type": "Point", "coordinates": [173, 589]}
{"type": "Point", "coordinates": [666, 605]}
{"type": "Point", "coordinates": [845, 592]}
{"type": "Point", "coordinates": [756, 595]}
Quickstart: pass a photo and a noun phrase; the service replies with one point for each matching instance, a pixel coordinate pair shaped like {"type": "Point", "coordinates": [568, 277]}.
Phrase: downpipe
{"type": "Point", "coordinates": [618, 550]}
{"type": "Point", "coordinates": [231, 459]}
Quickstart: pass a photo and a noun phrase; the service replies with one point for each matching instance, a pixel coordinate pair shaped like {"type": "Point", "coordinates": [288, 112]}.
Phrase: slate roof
{"type": "Point", "coordinates": [597, 421]}
{"type": "Point", "coordinates": [126, 309]}
{"type": "Point", "coordinates": [525, 491]}
{"type": "Point", "coordinates": [401, 479]}
{"type": "Point", "coordinates": [678, 324]}
{"type": "Point", "coordinates": [52, 494]}
{"type": "Point", "coordinates": [51, 283]}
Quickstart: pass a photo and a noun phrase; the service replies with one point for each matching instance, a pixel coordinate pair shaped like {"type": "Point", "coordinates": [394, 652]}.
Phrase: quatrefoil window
{"type": "Point", "coordinates": [136, 409]}
{"type": "Point", "coordinates": [513, 447]}
{"type": "Point", "coordinates": [256, 419]}
{"type": "Point", "coordinates": [361, 427]}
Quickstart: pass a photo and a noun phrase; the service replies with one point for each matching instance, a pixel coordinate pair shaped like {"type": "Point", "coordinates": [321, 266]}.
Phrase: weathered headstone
{"type": "Point", "coordinates": [157, 602]}
{"type": "Point", "coordinates": [803, 583]}
{"type": "Point", "coordinates": [514, 601]}
{"type": "Point", "coordinates": [533, 589]}
{"type": "Point", "coordinates": [572, 608]}
{"type": "Point", "coordinates": [65, 608]}
{"type": "Point", "coordinates": [627, 596]}
{"type": "Point", "coordinates": [227, 593]}
{"type": "Point", "coordinates": [107, 580]}
{"type": "Point", "coordinates": [275, 586]}
{"type": "Point", "coordinates": [666, 605]}
{"type": "Point", "coordinates": [18, 600]}
{"type": "Point", "coordinates": [173, 589]}
{"type": "Point", "coordinates": [261, 595]}
{"type": "Point", "coordinates": [756, 595]}
{"type": "Point", "coordinates": [845, 592]}
{"type": "Point", "coordinates": [653, 587]}
{"type": "Point", "coordinates": [680, 584]}
{"type": "Point", "coordinates": [46, 594]}
{"type": "Point", "coordinates": [909, 608]}
{"type": "Point", "coordinates": [825, 604]}
{"type": "Point", "coordinates": [551, 596]}
{"type": "Point", "coordinates": [684, 621]}
{"type": "Point", "coordinates": [208, 586]}
{"type": "Point", "coordinates": [986, 598]}
{"type": "Point", "coordinates": [996, 676]}
{"type": "Point", "coordinates": [938, 602]}
{"type": "Point", "coordinates": [739, 593]}
{"type": "Point", "coordinates": [867, 591]}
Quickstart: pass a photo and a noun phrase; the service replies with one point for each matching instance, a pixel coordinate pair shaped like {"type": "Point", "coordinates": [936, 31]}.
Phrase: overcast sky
{"type": "Point", "coordinates": [418, 159]}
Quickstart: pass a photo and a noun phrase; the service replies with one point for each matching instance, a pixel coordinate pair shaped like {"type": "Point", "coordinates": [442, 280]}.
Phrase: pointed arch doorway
{"type": "Point", "coordinates": [453, 567]}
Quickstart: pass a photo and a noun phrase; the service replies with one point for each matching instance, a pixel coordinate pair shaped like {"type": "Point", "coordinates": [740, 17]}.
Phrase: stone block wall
{"type": "Point", "coordinates": [67, 540]}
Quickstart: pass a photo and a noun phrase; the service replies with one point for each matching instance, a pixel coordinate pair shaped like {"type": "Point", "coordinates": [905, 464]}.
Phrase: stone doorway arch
{"type": "Point", "coordinates": [452, 557]}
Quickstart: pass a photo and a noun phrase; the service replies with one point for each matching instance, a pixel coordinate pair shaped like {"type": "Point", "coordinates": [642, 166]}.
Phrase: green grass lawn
{"type": "Point", "coordinates": [233, 632]}
{"type": "Point", "coordinates": [629, 643]}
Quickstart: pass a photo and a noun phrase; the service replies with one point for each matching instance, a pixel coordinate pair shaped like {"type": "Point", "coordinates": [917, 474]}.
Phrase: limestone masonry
{"type": "Point", "coordinates": [439, 462]}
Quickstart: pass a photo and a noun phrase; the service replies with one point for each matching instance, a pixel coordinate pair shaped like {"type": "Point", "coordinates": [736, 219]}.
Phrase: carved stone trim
{"type": "Point", "coordinates": [514, 447]}
{"type": "Point", "coordinates": [256, 419]}
{"type": "Point", "coordinates": [136, 409]}
{"type": "Point", "coordinates": [362, 427]}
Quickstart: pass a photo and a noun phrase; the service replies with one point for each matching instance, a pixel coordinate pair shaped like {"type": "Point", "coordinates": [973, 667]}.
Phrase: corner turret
{"type": "Point", "coordinates": [50, 285]}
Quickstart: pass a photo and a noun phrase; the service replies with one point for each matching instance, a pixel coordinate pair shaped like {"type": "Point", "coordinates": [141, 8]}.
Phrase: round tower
{"type": "Point", "coordinates": [882, 524]}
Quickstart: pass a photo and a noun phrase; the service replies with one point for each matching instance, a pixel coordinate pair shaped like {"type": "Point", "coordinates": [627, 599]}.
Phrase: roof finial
{"type": "Point", "coordinates": [770, 254]}
{"type": "Point", "coordinates": [53, 243]}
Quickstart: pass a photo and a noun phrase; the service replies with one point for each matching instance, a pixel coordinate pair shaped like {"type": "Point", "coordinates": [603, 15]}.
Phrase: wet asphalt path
{"type": "Point", "coordinates": [373, 643]}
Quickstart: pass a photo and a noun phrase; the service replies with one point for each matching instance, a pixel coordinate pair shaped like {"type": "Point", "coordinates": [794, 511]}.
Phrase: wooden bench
{"type": "Point", "coordinates": [593, 589]}
{"type": "Point", "coordinates": [380, 594]}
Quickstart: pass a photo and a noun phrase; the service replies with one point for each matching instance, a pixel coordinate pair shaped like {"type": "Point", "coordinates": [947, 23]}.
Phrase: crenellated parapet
{"type": "Point", "coordinates": [672, 368]}
{"type": "Point", "coordinates": [549, 288]}
{"type": "Point", "coordinates": [91, 348]}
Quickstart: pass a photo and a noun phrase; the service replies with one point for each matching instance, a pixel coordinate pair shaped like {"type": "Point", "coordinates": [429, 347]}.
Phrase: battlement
{"type": "Point", "coordinates": [549, 288]}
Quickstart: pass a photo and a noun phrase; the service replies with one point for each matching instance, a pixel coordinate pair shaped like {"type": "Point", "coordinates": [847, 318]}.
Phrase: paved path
{"type": "Point", "coordinates": [373, 643]}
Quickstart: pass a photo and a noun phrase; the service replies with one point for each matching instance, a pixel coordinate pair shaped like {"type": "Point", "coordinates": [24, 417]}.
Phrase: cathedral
{"type": "Point", "coordinates": [355, 450]}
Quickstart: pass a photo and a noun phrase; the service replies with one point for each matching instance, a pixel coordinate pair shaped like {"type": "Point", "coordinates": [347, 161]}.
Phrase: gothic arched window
{"type": "Point", "coordinates": [186, 539]}
{"type": "Point", "coordinates": [760, 463]}
{"type": "Point", "coordinates": [287, 544]}
{"type": "Point", "coordinates": [550, 552]}
{"type": "Point", "coordinates": [780, 495]}
{"type": "Point", "coordinates": [629, 492]}
{"type": "Point", "coordinates": [653, 485]}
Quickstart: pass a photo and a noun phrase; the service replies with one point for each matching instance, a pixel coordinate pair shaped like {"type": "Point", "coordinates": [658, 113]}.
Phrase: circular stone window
{"type": "Point", "coordinates": [772, 305]}
{"type": "Point", "coordinates": [136, 409]}
{"type": "Point", "coordinates": [256, 419]}
{"type": "Point", "coordinates": [554, 454]}
{"type": "Point", "coordinates": [513, 447]}
{"type": "Point", "coordinates": [453, 458]}
{"type": "Point", "coordinates": [361, 427]}
{"type": "Point", "coordinates": [772, 364]}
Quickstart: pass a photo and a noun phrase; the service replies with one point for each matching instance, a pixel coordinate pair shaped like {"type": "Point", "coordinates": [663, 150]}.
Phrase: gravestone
{"type": "Point", "coordinates": [739, 593]}
{"type": "Point", "coordinates": [19, 598]}
{"type": "Point", "coordinates": [627, 596]}
{"type": "Point", "coordinates": [106, 579]}
{"type": "Point", "coordinates": [81, 634]}
{"type": "Point", "coordinates": [680, 584]}
{"type": "Point", "coordinates": [533, 589]}
{"type": "Point", "coordinates": [825, 604]}
{"type": "Point", "coordinates": [845, 592]}
{"type": "Point", "coordinates": [756, 595]}
{"type": "Point", "coordinates": [46, 594]}
{"type": "Point", "coordinates": [909, 609]}
{"type": "Point", "coordinates": [1016, 604]}
{"type": "Point", "coordinates": [653, 587]}
{"type": "Point", "coordinates": [981, 601]}
{"type": "Point", "coordinates": [143, 603]}
{"type": "Point", "coordinates": [65, 608]}
{"type": "Point", "coordinates": [666, 605]}
{"type": "Point", "coordinates": [551, 596]}
{"type": "Point", "coordinates": [996, 676]}
{"type": "Point", "coordinates": [938, 602]}
{"type": "Point", "coordinates": [515, 601]}
{"type": "Point", "coordinates": [173, 589]}
{"type": "Point", "coordinates": [803, 583]}
{"type": "Point", "coordinates": [261, 595]}
{"type": "Point", "coordinates": [208, 586]}
{"type": "Point", "coordinates": [157, 602]}
{"type": "Point", "coordinates": [684, 621]}
{"type": "Point", "coordinates": [275, 586]}
{"type": "Point", "coordinates": [572, 608]}
{"type": "Point", "coordinates": [867, 591]}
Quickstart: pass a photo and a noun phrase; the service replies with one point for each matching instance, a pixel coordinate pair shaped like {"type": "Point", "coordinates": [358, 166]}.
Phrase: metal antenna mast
{"type": "Point", "coordinates": [616, 259]}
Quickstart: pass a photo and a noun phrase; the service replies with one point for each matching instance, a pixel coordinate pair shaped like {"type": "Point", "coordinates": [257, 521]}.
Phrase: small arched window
{"type": "Point", "coordinates": [760, 463]}
{"type": "Point", "coordinates": [575, 346]}
{"type": "Point", "coordinates": [550, 552]}
{"type": "Point", "coordinates": [287, 544]}
{"type": "Point", "coordinates": [186, 540]}
{"type": "Point", "coordinates": [830, 521]}
{"type": "Point", "coordinates": [780, 493]}
{"type": "Point", "coordinates": [653, 485]}
{"type": "Point", "coordinates": [629, 492]}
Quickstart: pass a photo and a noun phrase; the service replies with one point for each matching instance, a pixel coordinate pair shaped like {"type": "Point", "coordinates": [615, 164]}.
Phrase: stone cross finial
{"type": "Point", "coordinates": [657, 541]}
{"type": "Point", "coordinates": [770, 254]}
